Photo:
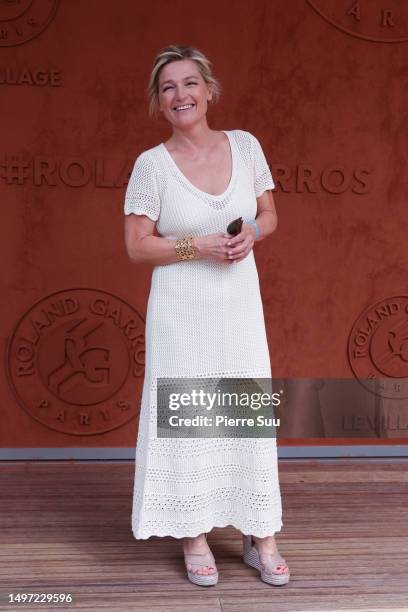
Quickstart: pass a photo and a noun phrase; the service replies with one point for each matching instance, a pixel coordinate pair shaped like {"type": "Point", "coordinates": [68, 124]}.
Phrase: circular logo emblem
{"type": "Point", "coordinates": [378, 347]}
{"type": "Point", "coordinates": [75, 361]}
{"type": "Point", "coordinates": [371, 20]}
{"type": "Point", "coordinates": [23, 20]}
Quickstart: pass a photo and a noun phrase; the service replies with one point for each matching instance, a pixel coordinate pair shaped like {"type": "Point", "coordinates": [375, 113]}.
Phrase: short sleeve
{"type": "Point", "coordinates": [142, 194]}
{"type": "Point", "coordinates": [262, 175]}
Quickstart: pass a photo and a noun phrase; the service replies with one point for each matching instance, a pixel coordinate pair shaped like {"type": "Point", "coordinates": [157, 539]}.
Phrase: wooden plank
{"type": "Point", "coordinates": [65, 527]}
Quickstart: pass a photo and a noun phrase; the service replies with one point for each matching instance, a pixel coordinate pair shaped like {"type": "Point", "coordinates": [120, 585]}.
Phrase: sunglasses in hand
{"type": "Point", "coordinates": [235, 226]}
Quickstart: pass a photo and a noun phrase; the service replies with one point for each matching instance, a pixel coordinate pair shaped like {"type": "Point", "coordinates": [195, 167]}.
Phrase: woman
{"type": "Point", "coordinates": [204, 318]}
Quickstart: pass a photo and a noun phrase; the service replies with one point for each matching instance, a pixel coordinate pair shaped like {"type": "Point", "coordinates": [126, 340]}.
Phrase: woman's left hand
{"type": "Point", "coordinates": [241, 244]}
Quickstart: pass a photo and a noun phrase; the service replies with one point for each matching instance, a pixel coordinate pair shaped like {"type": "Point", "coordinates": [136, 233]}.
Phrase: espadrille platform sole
{"type": "Point", "coordinates": [259, 561]}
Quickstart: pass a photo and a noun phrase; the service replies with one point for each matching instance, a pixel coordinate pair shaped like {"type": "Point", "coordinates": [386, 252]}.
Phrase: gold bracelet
{"type": "Point", "coordinates": [184, 248]}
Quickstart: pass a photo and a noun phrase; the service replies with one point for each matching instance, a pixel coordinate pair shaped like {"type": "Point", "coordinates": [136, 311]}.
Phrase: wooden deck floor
{"type": "Point", "coordinates": [65, 527]}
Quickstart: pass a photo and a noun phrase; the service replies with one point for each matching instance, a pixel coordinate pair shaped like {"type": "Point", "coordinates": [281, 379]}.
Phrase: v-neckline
{"type": "Point", "coordinates": [191, 185]}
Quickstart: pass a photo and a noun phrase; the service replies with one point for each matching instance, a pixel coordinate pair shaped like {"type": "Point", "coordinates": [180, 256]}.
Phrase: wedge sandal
{"type": "Point", "coordinates": [265, 562]}
{"type": "Point", "coordinates": [195, 560]}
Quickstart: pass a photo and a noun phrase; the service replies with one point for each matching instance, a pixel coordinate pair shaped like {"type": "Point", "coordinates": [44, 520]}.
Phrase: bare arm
{"type": "Point", "coordinates": [267, 221]}
{"type": "Point", "coordinates": [266, 218]}
{"type": "Point", "coordinates": [143, 247]}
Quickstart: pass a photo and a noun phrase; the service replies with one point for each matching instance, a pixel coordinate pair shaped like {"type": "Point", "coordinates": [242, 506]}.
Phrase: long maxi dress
{"type": "Point", "coordinates": [204, 318]}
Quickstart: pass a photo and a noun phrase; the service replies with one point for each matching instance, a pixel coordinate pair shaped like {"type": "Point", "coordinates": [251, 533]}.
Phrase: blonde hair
{"type": "Point", "coordinates": [174, 53]}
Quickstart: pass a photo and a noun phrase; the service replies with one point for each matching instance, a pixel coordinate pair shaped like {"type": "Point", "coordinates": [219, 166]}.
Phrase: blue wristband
{"type": "Point", "coordinates": [254, 223]}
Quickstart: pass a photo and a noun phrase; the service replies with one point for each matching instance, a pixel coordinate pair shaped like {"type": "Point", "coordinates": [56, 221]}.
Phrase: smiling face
{"type": "Point", "coordinates": [183, 93]}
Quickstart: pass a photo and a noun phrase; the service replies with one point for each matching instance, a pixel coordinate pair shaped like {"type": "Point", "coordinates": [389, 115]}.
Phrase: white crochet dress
{"type": "Point", "coordinates": [204, 318]}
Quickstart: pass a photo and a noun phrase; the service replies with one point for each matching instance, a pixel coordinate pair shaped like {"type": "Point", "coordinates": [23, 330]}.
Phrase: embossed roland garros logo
{"type": "Point", "coordinates": [373, 20]}
{"type": "Point", "coordinates": [23, 20]}
{"type": "Point", "coordinates": [378, 346]}
{"type": "Point", "coordinates": [75, 361]}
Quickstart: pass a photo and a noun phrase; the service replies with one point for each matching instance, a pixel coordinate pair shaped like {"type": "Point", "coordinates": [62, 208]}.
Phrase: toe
{"type": "Point", "coordinates": [207, 570]}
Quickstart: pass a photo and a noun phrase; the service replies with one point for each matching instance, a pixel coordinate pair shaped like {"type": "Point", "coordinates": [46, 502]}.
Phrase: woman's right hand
{"type": "Point", "coordinates": [213, 246]}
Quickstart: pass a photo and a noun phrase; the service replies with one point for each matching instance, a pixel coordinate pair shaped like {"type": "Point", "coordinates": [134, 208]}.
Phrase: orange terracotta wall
{"type": "Point", "coordinates": [322, 84]}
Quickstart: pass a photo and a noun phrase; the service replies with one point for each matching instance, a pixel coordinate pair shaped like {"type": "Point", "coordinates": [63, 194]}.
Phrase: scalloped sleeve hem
{"type": "Point", "coordinates": [142, 193]}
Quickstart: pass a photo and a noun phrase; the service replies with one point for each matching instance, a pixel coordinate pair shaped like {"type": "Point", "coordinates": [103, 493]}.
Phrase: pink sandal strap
{"type": "Point", "coordinates": [203, 559]}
